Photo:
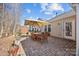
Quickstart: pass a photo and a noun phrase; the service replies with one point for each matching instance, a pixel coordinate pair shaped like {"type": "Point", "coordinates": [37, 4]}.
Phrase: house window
{"type": "Point", "coordinates": [45, 28]}
{"type": "Point", "coordinates": [69, 29]}
{"type": "Point", "coordinates": [30, 28]}
{"type": "Point", "coordinates": [49, 28]}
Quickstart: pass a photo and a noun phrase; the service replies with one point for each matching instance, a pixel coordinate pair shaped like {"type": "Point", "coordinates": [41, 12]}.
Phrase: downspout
{"type": "Point", "coordinates": [63, 29]}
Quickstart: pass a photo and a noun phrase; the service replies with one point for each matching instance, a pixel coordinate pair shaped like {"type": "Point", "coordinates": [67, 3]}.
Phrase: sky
{"type": "Point", "coordinates": [45, 11]}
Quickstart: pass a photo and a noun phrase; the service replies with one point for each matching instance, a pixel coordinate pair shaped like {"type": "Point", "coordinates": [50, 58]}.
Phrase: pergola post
{"type": "Point", "coordinates": [77, 30]}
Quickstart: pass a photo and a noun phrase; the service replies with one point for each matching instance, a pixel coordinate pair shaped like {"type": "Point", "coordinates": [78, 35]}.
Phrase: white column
{"type": "Point", "coordinates": [77, 30]}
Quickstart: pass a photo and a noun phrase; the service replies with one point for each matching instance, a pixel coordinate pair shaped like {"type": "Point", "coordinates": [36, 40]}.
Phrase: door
{"type": "Point", "coordinates": [68, 30]}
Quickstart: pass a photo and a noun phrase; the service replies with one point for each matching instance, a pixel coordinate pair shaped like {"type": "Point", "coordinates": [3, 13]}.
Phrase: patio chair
{"type": "Point", "coordinates": [13, 50]}
{"type": "Point", "coordinates": [39, 37]}
{"type": "Point", "coordinates": [48, 34]}
{"type": "Point", "coordinates": [33, 36]}
{"type": "Point", "coordinates": [44, 36]}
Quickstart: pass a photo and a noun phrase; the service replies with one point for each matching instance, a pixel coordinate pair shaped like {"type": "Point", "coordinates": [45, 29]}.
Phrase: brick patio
{"type": "Point", "coordinates": [52, 47]}
{"type": "Point", "coordinates": [5, 44]}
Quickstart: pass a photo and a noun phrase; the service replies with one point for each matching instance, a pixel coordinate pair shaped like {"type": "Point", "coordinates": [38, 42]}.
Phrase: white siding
{"type": "Point", "coordinates": [58, 27]}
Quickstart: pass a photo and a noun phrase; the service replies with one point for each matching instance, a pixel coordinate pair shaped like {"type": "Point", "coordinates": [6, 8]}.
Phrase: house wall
{"type": "Point", "coordinates": [43, 28]}
{"type": "Point", "coordinates": [58, 27]}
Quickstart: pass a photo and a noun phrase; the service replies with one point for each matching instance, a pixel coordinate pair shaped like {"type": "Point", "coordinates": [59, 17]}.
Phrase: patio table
{"type": "Point", "coordinates": [37, 36]}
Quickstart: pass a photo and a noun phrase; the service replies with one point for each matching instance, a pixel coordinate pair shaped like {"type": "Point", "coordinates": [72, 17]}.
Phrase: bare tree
{"type": "Point", "coordinates": [9, 20]}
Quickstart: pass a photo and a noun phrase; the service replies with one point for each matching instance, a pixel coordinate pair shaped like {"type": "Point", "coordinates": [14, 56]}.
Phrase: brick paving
{"type": "Point", "coordinates": [5, 44]}
{"type": "Point", "coordinates": [52, 47]}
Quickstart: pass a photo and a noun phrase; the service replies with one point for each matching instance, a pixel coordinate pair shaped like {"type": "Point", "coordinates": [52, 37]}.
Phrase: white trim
{"type": "Point", "coordinates": [77, 30]}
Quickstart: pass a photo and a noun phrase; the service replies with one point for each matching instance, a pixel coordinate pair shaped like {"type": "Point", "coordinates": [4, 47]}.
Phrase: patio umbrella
{"type": "Point", "coordinates": [35, 23]}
